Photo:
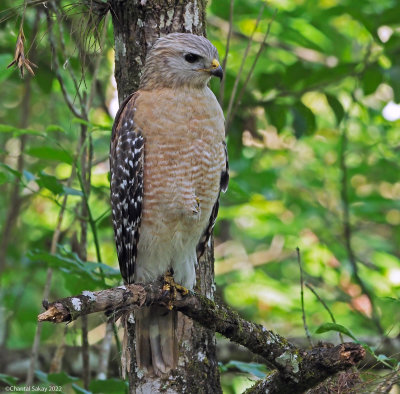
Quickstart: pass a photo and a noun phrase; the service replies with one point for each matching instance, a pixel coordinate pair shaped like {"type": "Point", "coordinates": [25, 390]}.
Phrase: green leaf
{"type": "Point", "coordinates": [328, 75]}
{"type": "Point", "coordinates": [72, 265]}
{"type": "Point", "coordinates": [303, 120]}
{"type": "Point", "coordinates": [255, 369]}
{"type": "Point", "coordinates": [336, 106]}
{"type": "Point", "coordinates": [382, 357]}
{"type": "Point", "coordinates": [72, 192]}
{"type": "Point", "coordinates": [371, 79]}
{"type": "Point", "coordinates": [3, 178]}
{"type": "Point", "coordinates": [53, 128]}
{"type": "Point", "coordinates": [42, 376]}
{"type": "Point", "coordinates": [5, 60]}
{"type": "Point", "coordinates": [48, 153]}
{"type": "Point", "coordinates": [277, 115]}
{"type": "Point", "coordinates": [5, 128]}
{"type": "Point", "coordinates": [326, 327]}
{"type": "Point", "coordinates": [10, 170]}
{"type": "Point", "coordinates": [11, 380]}
{"type": "Point", "coordinates": [82, 121]}
{"type": "Point", "coordinates": [79, 389]}
{"type": "Point", "coordinates": [107, 270]}
{"type": "Point", "coordinates": [61, 378]}
{"type": "Point", "coordinates": [108, 386]}
{"type": "Point", "coordinates": [50, 182]}
{"type": "Point", "coordinates": [394, 75]}
{"type": "Point", "coordinates": [391, 299]}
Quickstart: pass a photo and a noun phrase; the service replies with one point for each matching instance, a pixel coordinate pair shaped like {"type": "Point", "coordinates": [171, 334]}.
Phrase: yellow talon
{"type": "Point", "coordinates": [170, 284]}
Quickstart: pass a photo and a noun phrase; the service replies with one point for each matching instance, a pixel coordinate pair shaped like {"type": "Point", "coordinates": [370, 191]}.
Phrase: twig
{"type": "Point", "coordinates": [298, 369]}
{"type": "Point", "coordinates": [389, 381]}
{"type": "Point", "coordinates": [302, 298]}
{"type": "Point", "coordinates": [84, 176]}
{"type": "Point", "coordinates": [56, 362]}
{"type": "Point", "coordinates": [253, 66]}
{"type": "Point", "coordinates": [239, 74]}
{"type": "Point", "coordinates": [85, 353]}
{"type": "Point", "coordinates": [105, 351]}
{"type": "Point", "coordinates": [228, 41]}
{"type": "Point", "coordinates": [91, 221]}
{"type": "Point", "coordinates": [66, 64]}
{"type": "Point", "coordinates": [97, 63]}
{"type": "Point", "coordinates": [46, 291]}
{"type": "Point", "coordinates": [347, 230]}
{"type": "Point", "coordinates": [56, 67]}
{"type": "Point", "coordinates": [325, 306]}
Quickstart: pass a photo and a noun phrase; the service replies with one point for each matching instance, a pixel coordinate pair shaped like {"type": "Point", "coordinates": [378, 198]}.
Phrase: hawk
{"type": "Point", "coordinates": [168, 163]}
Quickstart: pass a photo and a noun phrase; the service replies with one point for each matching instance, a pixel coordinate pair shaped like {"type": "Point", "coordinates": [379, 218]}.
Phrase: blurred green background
{"type": "Point", "coordinates": [314, 155]}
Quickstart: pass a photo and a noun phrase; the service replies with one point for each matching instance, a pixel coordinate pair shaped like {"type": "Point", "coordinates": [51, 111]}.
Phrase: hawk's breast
{"type": "Point", "coordinates": [183, 159]}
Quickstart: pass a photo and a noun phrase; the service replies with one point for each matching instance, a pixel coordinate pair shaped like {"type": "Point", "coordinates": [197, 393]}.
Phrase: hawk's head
{"type": "Point", "coordinates": [180, 59]}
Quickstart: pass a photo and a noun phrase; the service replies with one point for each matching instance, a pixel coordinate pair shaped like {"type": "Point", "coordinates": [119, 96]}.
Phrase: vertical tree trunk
{"type": "Point", "coordinates": [137, 24]}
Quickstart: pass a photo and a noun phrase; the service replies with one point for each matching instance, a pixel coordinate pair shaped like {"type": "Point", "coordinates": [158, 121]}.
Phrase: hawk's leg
{"type": "Point", "coordinates": [172, 288]}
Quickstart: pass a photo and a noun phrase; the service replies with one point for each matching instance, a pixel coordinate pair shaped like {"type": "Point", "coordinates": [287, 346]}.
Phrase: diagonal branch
{"type": "Point", "coordinates": [298, 369]}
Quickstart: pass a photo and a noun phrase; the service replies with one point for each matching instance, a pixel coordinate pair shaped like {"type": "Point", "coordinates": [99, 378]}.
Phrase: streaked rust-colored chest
{"type": "Point", "coordinates": [184, 154]}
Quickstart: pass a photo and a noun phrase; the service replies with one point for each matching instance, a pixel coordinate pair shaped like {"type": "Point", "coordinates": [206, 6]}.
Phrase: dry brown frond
{"type": "Point", "coordinates": [20, 61]}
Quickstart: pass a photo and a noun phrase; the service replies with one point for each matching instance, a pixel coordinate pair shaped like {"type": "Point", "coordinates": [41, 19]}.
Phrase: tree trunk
{"type": "Point", "coordinates": [137, 24]}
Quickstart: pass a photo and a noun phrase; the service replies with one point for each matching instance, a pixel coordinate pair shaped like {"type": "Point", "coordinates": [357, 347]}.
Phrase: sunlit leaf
{"type": "Point", "coordinates": [49, 153]}
{"type": "Point", "coordinates": [336, 106]}
{"type": "Point", "coordinates": [327, 327]}
{"type": "Point", "coordinates": [53, 128]}
{"type": "Point", "coordinates": [50, 182]}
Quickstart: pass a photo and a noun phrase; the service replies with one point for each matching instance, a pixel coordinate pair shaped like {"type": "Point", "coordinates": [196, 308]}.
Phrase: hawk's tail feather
{"type": "Point", "coordinates": [156, 343]}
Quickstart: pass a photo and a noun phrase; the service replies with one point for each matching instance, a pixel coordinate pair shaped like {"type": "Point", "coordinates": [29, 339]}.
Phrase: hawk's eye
{"type": "Point", "coordinates": [192, 57]}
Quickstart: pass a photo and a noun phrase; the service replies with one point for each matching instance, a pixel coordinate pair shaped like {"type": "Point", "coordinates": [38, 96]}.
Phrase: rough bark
{"type": "Point", "coordinates": [296, 369]}
{"type": "Point", "coordinates": [137, 24]}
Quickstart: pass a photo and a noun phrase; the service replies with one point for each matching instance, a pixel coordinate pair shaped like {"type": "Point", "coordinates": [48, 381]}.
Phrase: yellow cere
{"type": "Point", "coordinates": [215, 63]}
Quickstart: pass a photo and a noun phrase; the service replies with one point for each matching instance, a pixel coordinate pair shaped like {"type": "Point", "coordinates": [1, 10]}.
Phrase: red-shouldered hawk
{"type": "Point", "coordinates": [168, 166]}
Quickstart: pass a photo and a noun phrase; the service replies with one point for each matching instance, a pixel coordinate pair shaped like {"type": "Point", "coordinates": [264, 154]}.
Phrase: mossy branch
{"type": "Point", "coordinates": [297, 369]}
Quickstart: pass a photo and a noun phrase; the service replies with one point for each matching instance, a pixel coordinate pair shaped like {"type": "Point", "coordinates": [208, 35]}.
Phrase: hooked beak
{"type": "Point", "coordinates": [215, 70]}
